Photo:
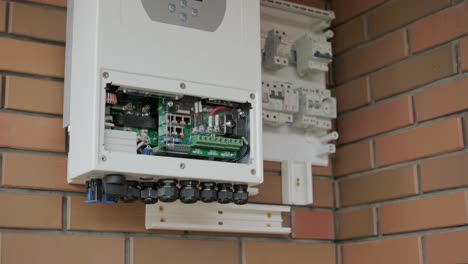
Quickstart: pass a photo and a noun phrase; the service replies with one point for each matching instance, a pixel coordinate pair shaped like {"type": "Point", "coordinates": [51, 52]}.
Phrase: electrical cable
{"type": "Point", "coordinates": [243, 155]}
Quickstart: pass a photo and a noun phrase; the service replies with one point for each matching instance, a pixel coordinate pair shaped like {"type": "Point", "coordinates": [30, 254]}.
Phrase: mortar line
{"type": "Point", "coordinates": [64, 213]}
{"type": "Point", "coordinates": [426, 195]}
{"type": "Point", "coordinates": [458, 62]}
{"type": "Point", "coordinates": [30, 113]}
{"type": "Point", "coordinates": [402, 60]}
{"type": "Point", "coordinates": [32, 76]}
{"type": "Point", "coordinates": [376, 211]}
{"type": "Point", "coordinates": [360, 14]}
{"type": "Point", "coordinates": [53, 7]}
{"type": "Point", "coordinates": [33, 152]}
{"type": "Point", "coordinates": [411, 92]}
{"type": "Point", "coordinates": [408, 41]}
{"type": "Point", "coordinates": [7, 16]}
{"type": "Point", "coordinates": [32, 39]}
{"type": "Point", "coordinates": [402, 164]}
{"type": "Point", "coordinates": [423, 249]}
{"type": "Point", "coordinates": [127, 250]}
{"type": "Point", "coordinates": [240, 251]}
{"type": "Point", "coordinates": [405, 128]}
{"type": "Point", "coordinates": [3, 90]}
{"type": "Point", "coordinates": [408, 24]}
{"type": "Point", "coordinates": [422, 233]}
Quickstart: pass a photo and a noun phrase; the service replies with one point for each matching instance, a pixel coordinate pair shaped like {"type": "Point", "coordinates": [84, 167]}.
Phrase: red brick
{"type": "Point", "coordinates": [346, 9]}
{"type": "Point", "coordinates": [367, 122]}
{"type": "Point", "coordinates": [58, 249]}
{"type": "Point", "coordinates": [323, 193]}
{"type": "Point", "coordinates": [465, 127]}
{"type": "Point", "coordinates": [62, 3]}
{"type": "Point", "coordinates": [385, 185]}
{"type": "Point", "coordinates": [2, 15]}
{"type": "Point", "coordinates": [34, 95]}
{"type": "Point", "coordinates": [383, 51]}
{"type": "Point", "coordinates": [414, 72]}
{"type": "Point", "coordinates": [439, 28]}
{"type": "Point", "coordinates": [262, 252]}
{"type": "Point", "coordinates": [425, 141]}
{"type": "Point", "coordinates": [348, 35]}
{"type": "Point", "coordinates": [98, 217]}
{"type": "Point", "coordinates": [147, 250]}
{"type": "Point", "coordinates": [354, 158]}
{"type": "Point", "coordinates": [30, 211]}
{"type": "Point", "coordinates": [447, 248]}
{"type": "Point", "coordinates": [41, 172]}
{"type": "Point", "coordinates": [356, 223]}
{"type": "Point", "coordinates": [310, 224]}
{"type": "Point", "coordinates": [37, 22]}
{"type": "Point", "coordinates": [352, 94]}
{"type": "Point", "coordinates": [428, 213]}
{"type": "Point", "coordinates": [444, 173]}
{"type": "Point", "coordinates": [32, 133]}
{"type": "Point", "coordinates": [32, 57]}
{"type": "Point", "coordinates": [442, 100]}
{"type": "Point", "coordinates": [269, 191]}
{"type": "Point", "coordinates": [464, 54]}
{"type": "Point", "coordinates": [323, 171]}
{"type": "Point", "coordinates": [272, 166]}
{"type": "Point", "coordinates": [392, 251]}
{"type": "Point", "coordinates": [397, 13]}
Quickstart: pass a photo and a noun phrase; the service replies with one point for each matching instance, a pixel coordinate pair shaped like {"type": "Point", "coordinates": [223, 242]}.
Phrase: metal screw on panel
{"type": "Point", "coordinates": [183, 86]}
{"type": "Point", "coordinates": [182, 166]}
{"type": "Point", "coordinates": [105, 75]}
{"type": "Point", "coordinates": [103, 158]}
{"type": "Point", "coordinates": [252, 96]}
{"type": "Point", "coordinates": [253, 172]}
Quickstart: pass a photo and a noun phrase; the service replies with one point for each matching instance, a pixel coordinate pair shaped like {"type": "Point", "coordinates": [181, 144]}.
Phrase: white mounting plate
{"type": "Point", "coordinates": [214, 217]}
{"type": "Point", "coordinates": [286, 142]}
{"type": "Point", "coordinates": [297, 186]}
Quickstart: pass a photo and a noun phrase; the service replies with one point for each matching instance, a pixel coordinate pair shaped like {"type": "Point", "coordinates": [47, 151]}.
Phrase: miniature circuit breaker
{"type": "Point", "coordinates": [297, 108]}
{"type": "Point", "coordinates": [163, 100]}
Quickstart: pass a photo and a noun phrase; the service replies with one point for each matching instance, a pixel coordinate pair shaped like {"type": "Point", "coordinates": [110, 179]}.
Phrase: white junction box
{"type": "Point", "coordinates": [297, 108]}
{"type": "Point", "coordinates": [177, 80]}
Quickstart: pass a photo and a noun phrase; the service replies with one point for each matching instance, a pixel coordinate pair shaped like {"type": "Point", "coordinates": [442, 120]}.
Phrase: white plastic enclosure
{"type": "Point", "coordinates": [297, 108]}
{"type": "Point", "coordinates": [207, 53]}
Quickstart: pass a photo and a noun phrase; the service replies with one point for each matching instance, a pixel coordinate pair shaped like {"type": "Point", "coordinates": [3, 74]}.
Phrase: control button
{"type": "Point", "coordinates": [183, 3]}
{"type": "Point", "coordinates": [183, 17]}
{"type": "Point", "coordinates": [194, 12]}
{"type": "Point", "coordinates": [172, 8]}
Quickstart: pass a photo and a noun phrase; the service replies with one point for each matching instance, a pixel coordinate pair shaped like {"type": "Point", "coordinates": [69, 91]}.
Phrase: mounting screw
{"type": "Point", "coordinates": [103, 158]}
{"type": "Point", "coordinates": [105, 75]}
{"type": "Point", "coordinates": [182, 166]}
{"type": "Point", "coordinates": [183, 86]}
{"type": "Point", "coordinates": [253, 172]}
{"type": "Point", "coordinates": [252, 96]}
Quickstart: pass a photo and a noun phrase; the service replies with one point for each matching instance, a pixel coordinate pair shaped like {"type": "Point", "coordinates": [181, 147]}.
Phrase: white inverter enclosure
{"type": "Point", "coordinates": [200, 53]}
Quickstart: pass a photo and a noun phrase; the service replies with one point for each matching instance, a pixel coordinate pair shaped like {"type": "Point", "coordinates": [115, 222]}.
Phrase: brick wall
{"type": "Point", "coordinates": [401, 172]}
{"type": "Point", "coordinates": [45, 220]}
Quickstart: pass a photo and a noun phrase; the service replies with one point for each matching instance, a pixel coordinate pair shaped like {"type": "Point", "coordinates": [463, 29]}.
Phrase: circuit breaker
{"type": "Point", "coordinates": [297, 108]}
{"type": "Point", "coordinates": [163, 100]}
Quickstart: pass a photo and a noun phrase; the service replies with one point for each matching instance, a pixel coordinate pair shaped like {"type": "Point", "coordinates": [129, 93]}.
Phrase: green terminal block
{"type": "Point", "coordinates": [218, 143]}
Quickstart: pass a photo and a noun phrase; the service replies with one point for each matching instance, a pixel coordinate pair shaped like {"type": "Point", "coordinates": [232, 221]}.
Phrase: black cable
{"type": "Point", "coordinates": [243, 155]}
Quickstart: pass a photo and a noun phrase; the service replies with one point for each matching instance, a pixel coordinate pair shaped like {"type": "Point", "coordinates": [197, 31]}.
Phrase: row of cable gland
{"type": "Point", "coordinates": [311, 52]}
{"type": "Point", "coordinates": [306, 108]}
